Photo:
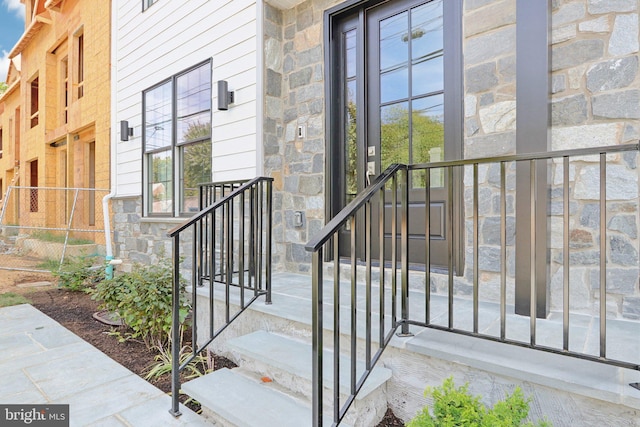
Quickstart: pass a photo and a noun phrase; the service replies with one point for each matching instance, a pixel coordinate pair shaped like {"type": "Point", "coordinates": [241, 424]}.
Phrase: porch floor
{"type": "Point", "coordinates": [291, 297]}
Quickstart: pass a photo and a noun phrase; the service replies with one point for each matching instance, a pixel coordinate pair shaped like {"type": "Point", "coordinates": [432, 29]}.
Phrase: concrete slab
{"type": "Point", "coordinates": [228, 394]}
{"type": "Point", "coordinates": [42, 362]}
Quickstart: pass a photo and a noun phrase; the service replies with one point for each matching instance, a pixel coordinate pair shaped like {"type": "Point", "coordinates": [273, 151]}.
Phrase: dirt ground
{"type": "Point", "coordinates": [74, 310]}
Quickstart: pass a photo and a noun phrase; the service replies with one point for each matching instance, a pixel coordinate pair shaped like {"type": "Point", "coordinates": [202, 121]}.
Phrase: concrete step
{"type": "Point", "coordinates": [288, 362]}
{"type": "Point", "coordinates": [233, 399]}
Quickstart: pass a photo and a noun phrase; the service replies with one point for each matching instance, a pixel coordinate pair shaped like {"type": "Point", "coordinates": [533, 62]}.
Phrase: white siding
{"type": "Point", "coordinates": [172, 36]}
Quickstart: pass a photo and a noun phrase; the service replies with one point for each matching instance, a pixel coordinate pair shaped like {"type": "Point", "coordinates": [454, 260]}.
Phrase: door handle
{"type": "Point", "coordinates": [371, 171]}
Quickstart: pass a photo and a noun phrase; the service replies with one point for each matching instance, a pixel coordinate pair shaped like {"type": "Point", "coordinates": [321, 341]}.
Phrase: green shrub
{"type": "Point", "coordinates": [456, 407]}
{"type": "Point", "coordinates": [143, 298]}
{"type": "Point", "coordinates": [79, 274]}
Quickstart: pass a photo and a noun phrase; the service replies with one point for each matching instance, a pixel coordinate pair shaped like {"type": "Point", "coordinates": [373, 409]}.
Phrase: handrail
{"type": "Point", "coordinates": [367, 211]}
{"type": "Point", "coordinates": [332, 226]}
{"type": "Point", "coordinates": [230, 249]}
{"type": "Point", "coordinates": [546, 155]}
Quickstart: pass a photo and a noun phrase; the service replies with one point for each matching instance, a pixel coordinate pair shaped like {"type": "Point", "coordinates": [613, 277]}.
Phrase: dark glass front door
{"type": "Point", "coordinates": [392, 87]}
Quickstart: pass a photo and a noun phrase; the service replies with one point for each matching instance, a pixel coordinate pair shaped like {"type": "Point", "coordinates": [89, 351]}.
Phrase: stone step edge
{"type": "Point", "coordinates": [245, 402]}
{"type": "Point", "coordinates": [294, 357]}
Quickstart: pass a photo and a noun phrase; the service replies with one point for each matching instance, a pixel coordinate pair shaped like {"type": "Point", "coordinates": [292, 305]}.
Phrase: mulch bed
{"type": "Point", "coordinates": [74, 311]}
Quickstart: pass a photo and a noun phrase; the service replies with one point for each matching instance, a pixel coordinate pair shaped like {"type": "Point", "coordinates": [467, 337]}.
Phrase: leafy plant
{"type": "Point", "coordinates": [143, 299]}
{"type": "Point", "coordinates": [196, 368]}
{"type": "Point", "coordinates": [79, 274]}
{"type": "Point", "coordinates": [455, 406]}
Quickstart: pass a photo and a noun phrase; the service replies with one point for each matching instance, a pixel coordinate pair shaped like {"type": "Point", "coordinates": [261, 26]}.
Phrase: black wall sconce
{"type": "Point", "coordinates": [125, 130]}
{"type": "Point", "coordinates": [224, 96]}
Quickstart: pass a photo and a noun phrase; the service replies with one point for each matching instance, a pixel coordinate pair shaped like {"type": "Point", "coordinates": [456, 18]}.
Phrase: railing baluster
{"type": "Point", "coordinates": [381, 257]}
{"type": "Point", "coordinates": [450, 243]}
{"type": "Point", "coordinates": [212, 265]}
{"type": "Point", "coordinates": [354, 306]}
{"type": "Point", "coordinates": [317, 346]}
{"type": "Point", "coordinates": [196, 280]}
{"type": "Point", "coordinates": [503, 251]}
{"type": "Point", "coordinates": [367, 278]}
{"type": "Point", "coordinates": [229, 271]}
{"type": "Point", "coordinates": [175, 325]}
{"type": "Point", "coordinates": [259, 247]}
{"type": "Point", "coordinates": [241, 220]}
{"type": "Point", "coordinates": [394, 250]}
{"type": "Point", "coordinates": [533, 295]}
{"type": "Point", "coordinates": [603, 255]}
{"type": "Point", "coordinates": [268, 242]}
{"type": "Point", "coordinates": [476, 234]}
{"type": "Point", "coordinates": [336, 327]}
{"type": "Point", "coordinates": [565, 254]}
{"type": "Point", "coordinates": [404, 239]}
{"type": "Point", "coordinates": [427, 246]}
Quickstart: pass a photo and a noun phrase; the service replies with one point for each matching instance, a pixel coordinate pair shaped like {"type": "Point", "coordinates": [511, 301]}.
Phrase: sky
{"type": "Point", "coordinates": [11, 28]}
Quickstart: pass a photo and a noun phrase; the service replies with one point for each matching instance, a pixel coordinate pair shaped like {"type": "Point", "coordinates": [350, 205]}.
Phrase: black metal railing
{"type": "Point", "coordinates": [230, 254]}
{"type": "Point", "coordinates": [368, 211]}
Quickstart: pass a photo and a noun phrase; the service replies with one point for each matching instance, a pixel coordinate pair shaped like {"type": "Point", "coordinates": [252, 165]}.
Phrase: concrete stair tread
{"type": "Point", "coordinates": [295, 357]}
{"type": "Point", "coordinates": [245, 402]}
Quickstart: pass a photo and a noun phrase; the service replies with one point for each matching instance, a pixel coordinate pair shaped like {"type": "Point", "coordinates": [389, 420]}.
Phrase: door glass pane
{"type": "Point", "coordinates": [350, 53]}
{"type": "Point", "coordinates": [351, 147]}
{"type": "Point", "coordinates": [394, 134]}
{"type": "Point", "coordinates": [426, 30]}
{"type": "Point", "coordinates": [394, 37]}
{"type": "Point", "coordinates": [427, 137]}
{"type": "Point", "coordinates": [394, 85]}
{"type": "Point", "coordinates": [428, 76]}
{"type": "Point", "coordinates": [350, 155]}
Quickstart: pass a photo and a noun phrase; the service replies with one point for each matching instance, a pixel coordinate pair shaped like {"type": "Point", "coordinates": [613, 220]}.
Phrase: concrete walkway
{"type": "Point", "coordinates": [42, 362]}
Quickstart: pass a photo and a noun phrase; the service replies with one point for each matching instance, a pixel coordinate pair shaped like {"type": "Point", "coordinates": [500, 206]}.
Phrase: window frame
{"type": "Point", "coordinates": [79, 64]}
{"type": "Point", "coordinates": [175, 148]}
{"type": "Point", "coordinates": [34, 102]}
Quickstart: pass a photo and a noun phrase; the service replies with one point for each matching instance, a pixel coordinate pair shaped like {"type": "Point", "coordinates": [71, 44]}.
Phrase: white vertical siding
{"type": "Point", "coordinates": [169, 37]}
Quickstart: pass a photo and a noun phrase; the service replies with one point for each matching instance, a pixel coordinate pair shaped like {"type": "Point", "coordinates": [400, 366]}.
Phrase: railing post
{"type": "Point", "coordinates": [175, 329]}
{"type": "Point", "coordinates": [268, 243]}
{"type": "Point", "coordinates": [316, 326]}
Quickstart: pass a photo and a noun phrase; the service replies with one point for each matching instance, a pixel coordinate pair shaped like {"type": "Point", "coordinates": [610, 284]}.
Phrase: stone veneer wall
{"type": "Point", "coordinates": [294, 97]}
{"type": "Point", "coordinates": [595, 102]}
{"type": "Point", "coordinates": [143, 241]}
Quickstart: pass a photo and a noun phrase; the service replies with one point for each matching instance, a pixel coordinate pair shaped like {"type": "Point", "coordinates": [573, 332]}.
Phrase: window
{"type": "Point", "coordinates": [64, 89]}
{"type": "Point", "coordinates": [33, 183]}
{"type": "Point", "coordinates": [147, 4]}
{"type": "Point", "coordinates": [177, 141]}
{"type": "Point", "coordinates": [80, 65]}
{"type": "Point", "coordinates": [1, 145]}
{"type": "Point", "coordinates": [16, 135]}
{"type": "Point", "coordinates": [34, 102]}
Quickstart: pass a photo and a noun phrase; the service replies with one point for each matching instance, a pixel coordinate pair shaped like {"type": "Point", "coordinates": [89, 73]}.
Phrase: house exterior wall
{"type": "Point", "coordinates": [61, 138]}
{"type": "Point", "coordinates": [153, 45]}
{"type": "Point", "coordinates": [594, 88]}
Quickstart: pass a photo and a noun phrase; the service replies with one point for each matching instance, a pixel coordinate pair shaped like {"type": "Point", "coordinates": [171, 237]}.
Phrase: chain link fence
{"type": "Point", "coordinates": [41, 228]}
